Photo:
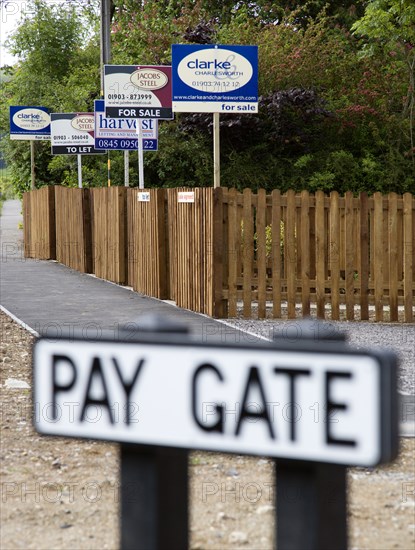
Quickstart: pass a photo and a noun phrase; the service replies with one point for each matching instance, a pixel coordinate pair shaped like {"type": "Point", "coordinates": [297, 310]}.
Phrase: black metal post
{"type": "Point", "coordinates": [154, 498]}
{"type": "Point", "coordinates": [311, 508]}
{"type": "Point", "coordinates": [311, 501]}
{"type": "Point", "coordinates": [154, 480]}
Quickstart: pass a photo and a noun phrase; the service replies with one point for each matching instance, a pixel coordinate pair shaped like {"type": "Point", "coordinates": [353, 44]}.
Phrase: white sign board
{"type": "Point", "coordinates": [29, 123]}
{"type": "Point", "coordinates": [138, 91]}
{"type": "Point", "coordinates": [300, 405]}
{"type": "Point", "coordinates": [73, 134]}
{"type": "Point", "coordinates": [214, 78]}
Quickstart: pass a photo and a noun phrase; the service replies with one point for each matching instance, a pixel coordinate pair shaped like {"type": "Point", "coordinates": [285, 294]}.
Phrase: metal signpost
{"type": "Point", "coordinates": [315, 405]}
{"type": "Point", "coordinates": [30, 123]}
{"type": "Point", "coordinates": [215, 79]}
{"type": "Point", "coordinates": [73, 134]}
{"type": "Point", "coordinates": [122, 134]}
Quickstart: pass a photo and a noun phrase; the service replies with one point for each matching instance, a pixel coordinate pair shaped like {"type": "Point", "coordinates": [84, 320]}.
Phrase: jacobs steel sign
{"type": "Point", "coordinates": [215, 78]}
{"type": "Point", "coordinates": [138, 91]}
{"type": "Point", "coordinates": [32, 123]}
{"type": "Point", "coordinates": [73, 134]}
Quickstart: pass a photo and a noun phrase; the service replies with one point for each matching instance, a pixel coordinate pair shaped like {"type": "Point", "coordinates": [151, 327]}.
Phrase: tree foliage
{"type": "Point", "coordinates": [336, 84]}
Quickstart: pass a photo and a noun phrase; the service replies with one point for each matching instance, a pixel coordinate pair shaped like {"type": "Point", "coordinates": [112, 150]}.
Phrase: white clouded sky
{"type": "Point", "coordinates": [11, 13]}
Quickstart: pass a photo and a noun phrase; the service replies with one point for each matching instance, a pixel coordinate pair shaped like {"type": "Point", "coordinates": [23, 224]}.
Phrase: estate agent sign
{"type": "Point", "coordinates": [137, 91]}
{"type": "Point", "coordinates": [73, 134]}
{"type": "Point", "coordinates": [32, 123]}
{"type": "Point", "coordinates": [215, 78]}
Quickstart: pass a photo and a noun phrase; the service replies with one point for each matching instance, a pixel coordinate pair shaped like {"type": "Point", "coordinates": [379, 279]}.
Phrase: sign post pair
{"type": "Point", "coordinates": [315, 406]}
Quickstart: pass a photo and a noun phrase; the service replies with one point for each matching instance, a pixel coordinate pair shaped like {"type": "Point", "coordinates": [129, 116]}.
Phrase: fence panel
{"type": "Point", "coordinates": [39, 224]}
{"type": "Point", "coordinates": [109, 225]}
{"type": "Point", "coordinates": [147, 259]}
{"type": "Point", "coordinates": [191, 246]}
{"type": "Point", "coordinates": [73, 228]}
{"type": "Point", "coordinates": [300, 252]}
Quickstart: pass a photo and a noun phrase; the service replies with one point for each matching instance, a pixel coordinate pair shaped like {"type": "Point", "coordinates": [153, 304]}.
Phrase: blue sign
{"type": "Point", "coordinates": [215, 78]}
{"type": "Point", "coordinates": [121, 133]}
{"type": "Point", "coordinates": [29, 123]}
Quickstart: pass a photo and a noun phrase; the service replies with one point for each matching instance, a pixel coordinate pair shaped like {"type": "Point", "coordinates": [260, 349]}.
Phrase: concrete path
{"type": "Point", "coordinates": [51, 298]}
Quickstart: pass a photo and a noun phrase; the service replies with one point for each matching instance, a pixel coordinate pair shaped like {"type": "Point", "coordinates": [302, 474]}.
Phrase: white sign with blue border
{"type": "Point", "coordinates": [31, 123]}
{"type": "Point", "coordinates": [215, 78]}
{"type": "Point", "coordinates": [121, 133]}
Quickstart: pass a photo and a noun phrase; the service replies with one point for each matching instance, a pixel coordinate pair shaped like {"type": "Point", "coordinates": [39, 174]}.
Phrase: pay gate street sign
{"type": "Point", "coordinates": [315, 403]}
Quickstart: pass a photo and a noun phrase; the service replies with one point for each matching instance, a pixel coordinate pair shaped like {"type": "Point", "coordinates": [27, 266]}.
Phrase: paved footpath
{"type": "Point", "coordinates": [52, 298]}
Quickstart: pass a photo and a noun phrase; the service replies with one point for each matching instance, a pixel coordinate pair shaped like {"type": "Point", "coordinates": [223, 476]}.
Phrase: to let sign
{"type": "Point", "coordinates": [73, 134]}
{"type": "Point", "coordinates": [319, 405]}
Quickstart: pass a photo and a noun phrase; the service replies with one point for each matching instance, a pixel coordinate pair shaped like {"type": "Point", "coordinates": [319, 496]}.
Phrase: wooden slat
{"type": "Point", "coordinates": [335, 255]}
{"type": "Point", "coordinates": [393, 256]}
{"type": "Point", "coordinates": [364, 257]}
{"type": "Point", "coordinates": [305, 252]}
{"type": "Point", "coordinates": [276, 253]}
{"type": "Point", "coordinates": [350, 253]}
{"type": "Point", "coordinates": [408, 258]}
{"type": "Point", "coordinates": [248, 243]}
{"type": "Point", "coordinates": [261, 252]}
{"type": "Point", "coordinates": [233, 229]}
{"type": "Point", "coordinates": [290, 250]}
{"type": "Point", "coordinates": [378, 254]}
{"type": "Point", "coordinates": [320, 267]}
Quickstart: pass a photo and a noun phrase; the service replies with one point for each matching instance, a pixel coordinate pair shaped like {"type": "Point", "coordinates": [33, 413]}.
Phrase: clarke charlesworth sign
{"type": "Point", "coordinates": [215, 78]}
{"type": "Point", "coordinates": [32, 123]}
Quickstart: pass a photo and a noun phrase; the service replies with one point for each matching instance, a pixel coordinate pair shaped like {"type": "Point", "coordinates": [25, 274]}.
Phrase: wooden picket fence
{"type": "Point", "coordinates": [228, 254]}
{"type": "Point", "coordinates": [73, 228]}
{"type": "Point", "coordinates": [109, 233]}
{"type": "Point", "coordinates": [39, 224]}
{"type": "Point", "coordinates": [286, 253]}
{"type": "Point", "coordinates": [147, 255]}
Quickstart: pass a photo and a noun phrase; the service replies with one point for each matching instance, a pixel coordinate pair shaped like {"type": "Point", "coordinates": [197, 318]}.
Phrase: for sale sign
{"type": "Point", "coordinates": [215, 78]}
{"type": "Point", "coordinates": [31, 123]}
{"type": "Point", "coordinates": [137, 91]}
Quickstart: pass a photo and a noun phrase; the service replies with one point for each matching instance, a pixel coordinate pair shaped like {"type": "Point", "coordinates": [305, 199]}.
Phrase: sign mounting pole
{"type": "Point", "coordinates": [126, 168]}
{"type": "Point", "coordinates": [140, 155]}
{"type": "Point", "coordinates": [216, 150]}
{"type": "Point", "coordinates": [79, 171]}
{"type": "Point", "coordinates": [32, 163]}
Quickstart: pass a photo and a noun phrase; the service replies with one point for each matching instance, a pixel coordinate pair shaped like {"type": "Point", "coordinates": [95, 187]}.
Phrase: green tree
{"type": "Point", "coordinates": [58, 50]}
{"type": "Point", "coordinates": [389, 26]}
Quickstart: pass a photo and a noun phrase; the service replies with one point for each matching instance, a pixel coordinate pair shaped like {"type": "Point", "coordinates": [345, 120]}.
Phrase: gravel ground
{"type": "Point", "coordinates": [398, 337]}
{"type": "Point", "coordinates": [59, 494]}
